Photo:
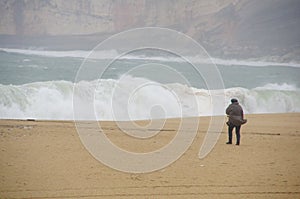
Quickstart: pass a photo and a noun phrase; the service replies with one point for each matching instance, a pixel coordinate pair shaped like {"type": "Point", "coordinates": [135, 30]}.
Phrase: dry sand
{"type": "Point", "coordinates": [46, 159]}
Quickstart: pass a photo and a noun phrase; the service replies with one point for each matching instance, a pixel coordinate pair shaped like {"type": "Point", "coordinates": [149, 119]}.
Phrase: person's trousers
{"type": "Point", "coordinates": [237, 132]}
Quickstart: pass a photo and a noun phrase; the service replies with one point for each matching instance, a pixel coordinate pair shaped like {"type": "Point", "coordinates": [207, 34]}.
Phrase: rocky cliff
{"type": "Point", "coordinates": [61, 17]}
{"type": "Point", "coordinates": [244, 28]}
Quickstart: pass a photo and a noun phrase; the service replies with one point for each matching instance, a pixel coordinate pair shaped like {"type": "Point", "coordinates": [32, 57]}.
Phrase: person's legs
{"type": "Point", "coordinates": [238, 135]}
{"type": "Point", "coordinates": [230, 128]}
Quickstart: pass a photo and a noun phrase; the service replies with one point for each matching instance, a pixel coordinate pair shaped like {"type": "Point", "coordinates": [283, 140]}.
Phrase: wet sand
{"type": "Point", "coordinates": [46, 159]}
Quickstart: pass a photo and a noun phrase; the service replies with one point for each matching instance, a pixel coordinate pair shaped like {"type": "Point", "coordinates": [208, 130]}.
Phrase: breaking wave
{"type": "Point", "coordinates": [54, 99]}
{"type": "Point", "coordinates": [110, 54]}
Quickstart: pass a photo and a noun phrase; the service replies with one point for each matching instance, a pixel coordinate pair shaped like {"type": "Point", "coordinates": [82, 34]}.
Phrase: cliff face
{"type": "Point", "coordinates": [60, 17]}
{"type": "Point", "coordinates": [223, 26]}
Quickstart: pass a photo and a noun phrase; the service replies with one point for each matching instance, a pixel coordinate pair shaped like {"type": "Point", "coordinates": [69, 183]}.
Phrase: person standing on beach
{"type": "Point", "coordinates": [236, 118]}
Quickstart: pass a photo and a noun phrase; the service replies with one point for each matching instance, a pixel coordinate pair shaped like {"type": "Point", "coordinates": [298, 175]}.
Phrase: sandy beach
{"type": "Point", "coordinates": [46, 159]}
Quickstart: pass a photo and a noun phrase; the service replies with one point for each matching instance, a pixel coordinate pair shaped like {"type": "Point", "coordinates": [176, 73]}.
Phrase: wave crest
{"type": "Point", "coordinates": [54, 100]}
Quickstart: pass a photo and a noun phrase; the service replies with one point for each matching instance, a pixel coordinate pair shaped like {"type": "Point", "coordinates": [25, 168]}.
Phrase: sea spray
{"type": "Point", "coordinates": [119, 100]}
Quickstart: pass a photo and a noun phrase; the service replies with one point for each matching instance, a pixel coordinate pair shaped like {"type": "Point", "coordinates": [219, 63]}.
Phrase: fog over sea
{"type": "Point", "coordinates": [39, 84]}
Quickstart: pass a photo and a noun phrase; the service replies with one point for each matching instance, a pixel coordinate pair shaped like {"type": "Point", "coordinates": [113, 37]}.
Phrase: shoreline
{"type": "Point", "coordinates": [175, 118]}
{"type": "Point", "coordinates": [46, 159]}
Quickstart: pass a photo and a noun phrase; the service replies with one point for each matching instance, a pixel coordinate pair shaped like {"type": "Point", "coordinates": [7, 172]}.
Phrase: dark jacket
{"type": "Point", "coordinates": [235, 114]}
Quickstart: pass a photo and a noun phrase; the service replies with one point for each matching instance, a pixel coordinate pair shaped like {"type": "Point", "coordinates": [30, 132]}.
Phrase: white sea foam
{"type": "Point", "coordinates": [73, 53]}
{"type": "Point", "coordinates": [278, 87]}
{"type": "Point", "coordinates": [129, 98]}
{"type": "Point", "coordinates": [112, 54]}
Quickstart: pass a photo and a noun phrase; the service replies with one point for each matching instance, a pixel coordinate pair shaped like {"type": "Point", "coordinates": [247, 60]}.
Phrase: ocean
{"type": "Point", "coordinates": [40, 84]}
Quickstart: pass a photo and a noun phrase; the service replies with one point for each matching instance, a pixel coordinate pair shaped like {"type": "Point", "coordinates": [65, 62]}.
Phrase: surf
{"type": "Point", "coordinates": [53, 100]}
{"type": "Point", "coordinates": [112, 54]}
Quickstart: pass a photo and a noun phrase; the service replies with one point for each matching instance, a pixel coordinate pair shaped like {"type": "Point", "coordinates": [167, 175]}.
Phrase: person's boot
{"type": "Point", "coordinates": [237, 143]}
{"type": "Point", "coordinates": [228, 142]}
